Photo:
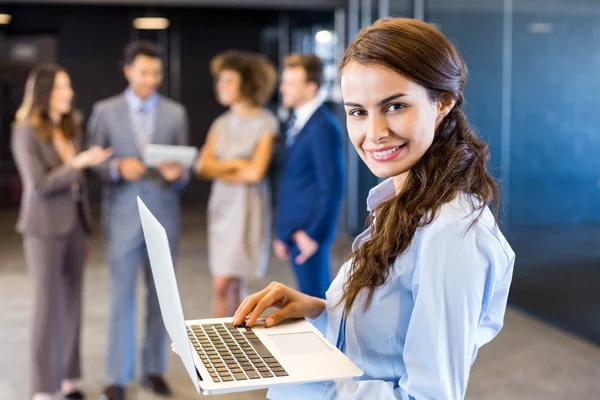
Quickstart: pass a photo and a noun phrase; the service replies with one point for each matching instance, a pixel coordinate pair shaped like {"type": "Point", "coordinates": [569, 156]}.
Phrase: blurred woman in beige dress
{"type": "Point", "coordinates": [236, 157]}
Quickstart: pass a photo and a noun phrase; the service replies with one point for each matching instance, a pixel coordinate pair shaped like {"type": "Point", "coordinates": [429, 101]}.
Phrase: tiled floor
{"type": "Point", "coordinates": [528, 361]}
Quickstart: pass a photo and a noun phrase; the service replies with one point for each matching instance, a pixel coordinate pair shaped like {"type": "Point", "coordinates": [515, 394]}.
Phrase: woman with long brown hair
{"type": "Point", "coordinates": [55, 222]}
{"type": "Point", "coordinates": [428, 281]}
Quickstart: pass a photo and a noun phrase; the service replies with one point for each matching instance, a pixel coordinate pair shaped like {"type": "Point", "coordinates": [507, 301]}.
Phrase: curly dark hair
{"type": "Point", "coordinates": [455, 162]}
{"type": "Point", "coordinates": [258, 74]}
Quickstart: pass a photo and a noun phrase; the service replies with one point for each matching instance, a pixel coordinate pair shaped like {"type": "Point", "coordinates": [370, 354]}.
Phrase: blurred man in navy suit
{"type": "Point", "coordinates": [312, 177]}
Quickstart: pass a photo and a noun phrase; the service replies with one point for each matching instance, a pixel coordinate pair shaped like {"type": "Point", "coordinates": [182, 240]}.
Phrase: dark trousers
{"type": "Point", "coordinates": [314, 276]}
{"type": "Point", "coordinates": [56, 265]}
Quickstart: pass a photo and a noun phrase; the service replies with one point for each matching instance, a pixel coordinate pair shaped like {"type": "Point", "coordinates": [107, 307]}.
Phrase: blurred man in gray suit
{"type": "Point", "coordinates": [127, 122]}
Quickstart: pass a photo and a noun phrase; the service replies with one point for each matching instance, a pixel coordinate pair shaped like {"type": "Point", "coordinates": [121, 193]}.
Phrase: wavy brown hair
{"type": "Point", "coordinates": [258, 75]}
{"type": "Point", "coordinates": [455, 163]}
{"type": "Point", "coordinates": [36, 104]}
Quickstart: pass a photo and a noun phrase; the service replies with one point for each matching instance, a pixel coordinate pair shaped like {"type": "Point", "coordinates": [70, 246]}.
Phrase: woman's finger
{"type": "Point", "coordinates": [250, 303]}
{"type": "Point", "coordinates": [278, 316]}
{"type": "Point", "coordinates": [265, 302]}
{"type": "Point", "coordinates": [242, 311]}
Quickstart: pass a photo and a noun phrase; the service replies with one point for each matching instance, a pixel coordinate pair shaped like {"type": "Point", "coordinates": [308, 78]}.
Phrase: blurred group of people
{"type": "Point", "coordinates": [52, 153]}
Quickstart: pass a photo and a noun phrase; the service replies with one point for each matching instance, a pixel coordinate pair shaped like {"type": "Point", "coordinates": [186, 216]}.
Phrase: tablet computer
{"type": "Point", "coordinates": [154, 154]}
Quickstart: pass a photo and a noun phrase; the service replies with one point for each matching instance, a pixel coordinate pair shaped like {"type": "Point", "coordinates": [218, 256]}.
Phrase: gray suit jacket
{"type": "Point", "coordinates": [47, 204]}
{"type": "Point", "coordinates": [110, 126]}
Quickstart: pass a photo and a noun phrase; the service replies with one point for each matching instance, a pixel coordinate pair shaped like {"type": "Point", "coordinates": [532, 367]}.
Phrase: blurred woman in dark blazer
{"type": "Point", "coordinates": [55, 222]}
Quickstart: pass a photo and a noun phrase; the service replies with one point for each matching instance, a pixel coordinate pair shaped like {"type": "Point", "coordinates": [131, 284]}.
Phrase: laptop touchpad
{"type": "Point", "coordinates": [291, 344]}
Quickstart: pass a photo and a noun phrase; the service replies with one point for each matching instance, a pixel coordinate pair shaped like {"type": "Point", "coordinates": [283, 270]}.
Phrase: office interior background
{"type": "Point", "coordinates": [532, 94]}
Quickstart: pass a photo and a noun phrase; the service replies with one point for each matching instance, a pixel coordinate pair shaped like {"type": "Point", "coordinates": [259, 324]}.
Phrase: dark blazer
{"type": "Point", "coordinates": [48, 206]}
{"type": "Point", "coordinates": [312, 180]}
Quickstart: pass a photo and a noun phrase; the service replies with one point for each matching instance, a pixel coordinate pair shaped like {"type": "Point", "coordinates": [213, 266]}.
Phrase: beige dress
{"type": "Point", "coordinates": [239, 214]}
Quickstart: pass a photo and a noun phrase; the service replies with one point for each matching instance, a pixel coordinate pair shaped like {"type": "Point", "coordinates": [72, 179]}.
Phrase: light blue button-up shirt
{"type": "Point", "coordinates": [444, 299]}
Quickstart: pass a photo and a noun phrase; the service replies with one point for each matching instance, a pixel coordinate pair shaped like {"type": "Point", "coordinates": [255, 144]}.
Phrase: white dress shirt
{"type": "Point", "coordinates": [302, 115]}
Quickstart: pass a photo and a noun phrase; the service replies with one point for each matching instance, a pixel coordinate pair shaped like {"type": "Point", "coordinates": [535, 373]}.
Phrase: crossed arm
{"type": "Point", "coordinates": [238, 170]}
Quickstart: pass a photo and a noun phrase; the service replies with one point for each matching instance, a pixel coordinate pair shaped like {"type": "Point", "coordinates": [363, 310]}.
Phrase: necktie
{"type": "Point", "coordinates": [290, 133]}
{"type": "Point", "coordinates": [142, 127]}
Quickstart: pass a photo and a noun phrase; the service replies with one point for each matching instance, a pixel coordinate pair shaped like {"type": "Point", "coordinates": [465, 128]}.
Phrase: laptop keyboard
{"type": "Point", "coordinates": [230, 354]}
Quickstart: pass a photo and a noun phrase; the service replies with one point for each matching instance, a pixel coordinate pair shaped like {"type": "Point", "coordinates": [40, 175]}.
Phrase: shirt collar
{"type": "Point", "coordinates": [380, 193]}
{"type": "Point", "coordinates": [136, 103]}
{"type": "Point", "coordinates": [304, 112]}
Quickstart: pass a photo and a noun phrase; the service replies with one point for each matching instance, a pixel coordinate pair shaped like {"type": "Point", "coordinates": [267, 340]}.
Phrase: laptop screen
{"type": "Point", "coordinates": [163, 273]}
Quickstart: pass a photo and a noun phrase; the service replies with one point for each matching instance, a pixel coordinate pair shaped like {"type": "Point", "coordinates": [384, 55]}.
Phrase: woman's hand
{"type": "Point", "coordinates": [290, 302]}
{"type": "Point", "coordinates": [90, 158]}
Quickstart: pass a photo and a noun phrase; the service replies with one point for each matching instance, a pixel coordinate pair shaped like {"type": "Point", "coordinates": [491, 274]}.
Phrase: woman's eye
{"type": "Point", "coordinates": [395, 107]}
{"type": "Point", "coordinates": [357, 113]}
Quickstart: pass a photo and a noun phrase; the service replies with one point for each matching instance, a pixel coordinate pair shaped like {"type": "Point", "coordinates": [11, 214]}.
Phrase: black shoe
{"type": "Point", "coordinates": [157, 384]}
{"type": "Point", "coordinates": [76, 395]}
{"type": "Point", "coordinates": [113, 393]}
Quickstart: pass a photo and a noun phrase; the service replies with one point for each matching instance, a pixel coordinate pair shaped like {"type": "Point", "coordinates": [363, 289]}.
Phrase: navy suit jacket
{"type": "Point", "coordinates": [312, 180]}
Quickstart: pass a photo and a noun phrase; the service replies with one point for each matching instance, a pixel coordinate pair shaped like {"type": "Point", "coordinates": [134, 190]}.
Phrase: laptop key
{"type": "Point", "coordinates": [281, 373]}
{"type": "Point", "coordinates": [253, 375]}
{"type": "Point", "coordinates": [227, 378]}
{"type": "Point", "coordinates": [260, 348]}
{"type": "Point", "coordinates": [266, 374]}
{"type": "Point", "coordinates": [239, 377]}
{"type": "Point", "coordinates": [215, 378]}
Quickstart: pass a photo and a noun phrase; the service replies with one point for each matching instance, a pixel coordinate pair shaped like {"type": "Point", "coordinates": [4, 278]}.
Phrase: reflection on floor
{"type": "Point", "coordinates": [557, 278]}
{"type": "Point", "coordinates": [528, 361]}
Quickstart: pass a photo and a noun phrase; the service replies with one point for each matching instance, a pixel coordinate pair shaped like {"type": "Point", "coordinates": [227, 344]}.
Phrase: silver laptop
{"type": "Point", "coordinates": [221, 358]}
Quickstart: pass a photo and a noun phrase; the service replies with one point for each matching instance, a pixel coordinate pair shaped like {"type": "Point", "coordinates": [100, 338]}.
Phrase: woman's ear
{"type": "Point", "coordinates": [444, 105]}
